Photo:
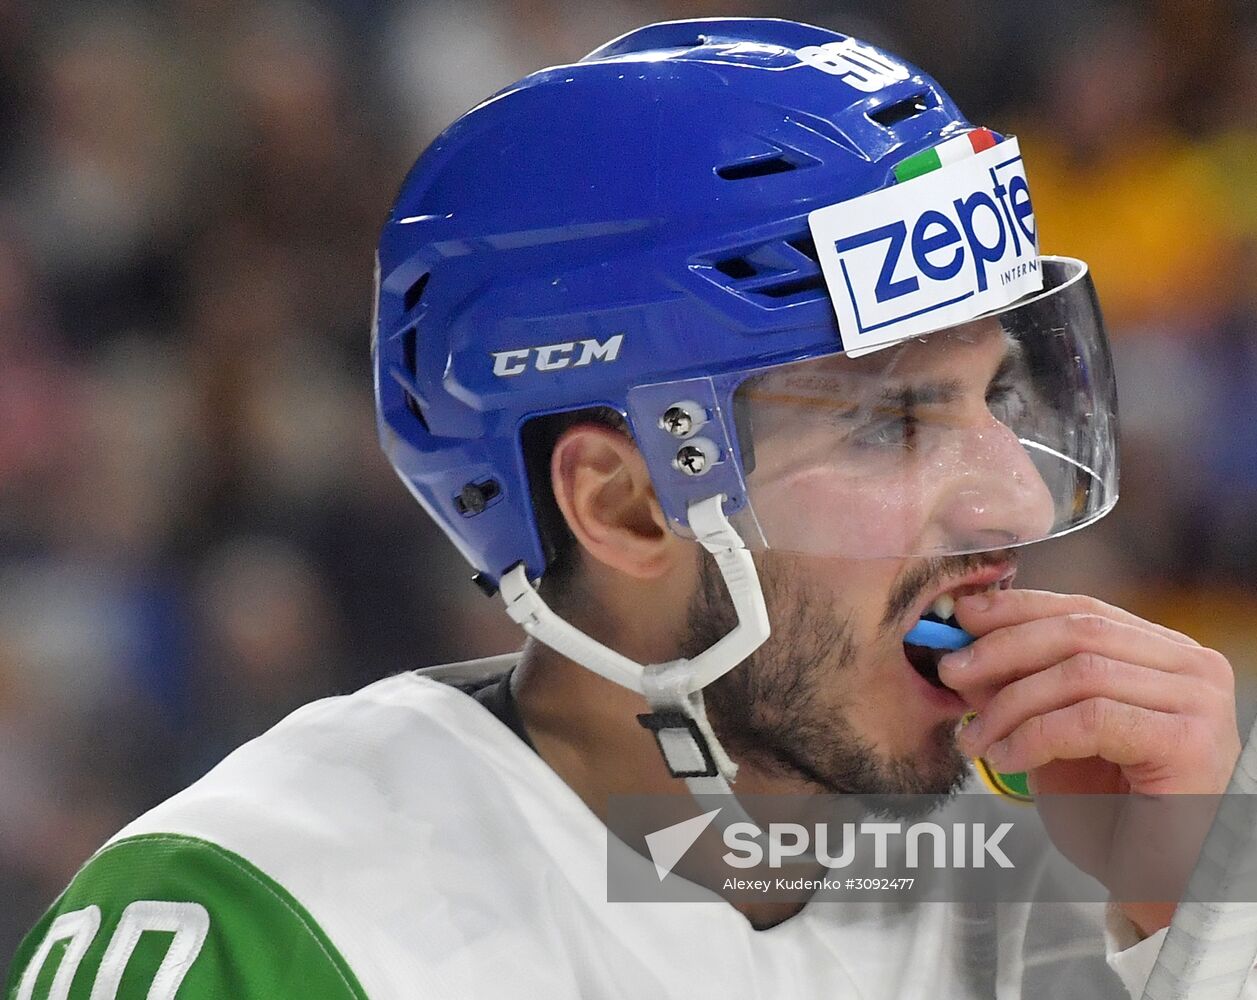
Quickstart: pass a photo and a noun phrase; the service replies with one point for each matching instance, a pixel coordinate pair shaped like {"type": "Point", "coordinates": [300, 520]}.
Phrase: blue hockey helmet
{"type": "Point", "coordinates": [715, 228]}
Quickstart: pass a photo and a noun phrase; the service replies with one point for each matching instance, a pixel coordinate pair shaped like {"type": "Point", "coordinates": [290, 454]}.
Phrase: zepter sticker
{"type": "Point", "coordinates": [934, 250]}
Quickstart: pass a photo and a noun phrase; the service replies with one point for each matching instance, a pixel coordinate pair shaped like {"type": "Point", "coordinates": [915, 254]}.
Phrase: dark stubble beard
{"type": "Point", "coordinates": [771, 711]}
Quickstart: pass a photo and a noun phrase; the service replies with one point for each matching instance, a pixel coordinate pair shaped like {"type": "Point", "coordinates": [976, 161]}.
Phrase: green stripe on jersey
{"type": "Point", "coordinates": [160, 916]}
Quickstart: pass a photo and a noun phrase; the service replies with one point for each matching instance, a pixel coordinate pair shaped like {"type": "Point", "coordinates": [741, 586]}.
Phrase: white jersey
{"type": "Point", "coordinates": [425, 850]}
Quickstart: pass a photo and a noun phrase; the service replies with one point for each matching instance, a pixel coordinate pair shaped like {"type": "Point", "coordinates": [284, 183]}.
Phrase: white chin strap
{"type": "Point", "coordinates": [674, 690]}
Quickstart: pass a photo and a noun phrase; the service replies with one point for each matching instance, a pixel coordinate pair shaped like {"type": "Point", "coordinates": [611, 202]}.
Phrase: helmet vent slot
{"type": "Point", "coordinates": [760, 167]}
{"type": "Point", "coordinates": [412, 405]}
{"type": "Point", "coordinates": [778, 273]}
{"type": "Point", "coordinates": [411, 366]}
{"type": "Point", "coordinates": [736, 267]}
{"type": "Point", "coordinates": [813, 282]}
{"type": "Point", "coordinates": [409, 353]}
{"type": "Point", "coordinates": [806, 246]}
{"type": "Point", "coordinates": [901, 111]}
{"type": "Point", "coordinates": [415, 292]}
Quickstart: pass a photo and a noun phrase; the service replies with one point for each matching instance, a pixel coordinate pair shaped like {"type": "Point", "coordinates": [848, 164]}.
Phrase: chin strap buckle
{"type": "Point", "coordinates": [681, 742]}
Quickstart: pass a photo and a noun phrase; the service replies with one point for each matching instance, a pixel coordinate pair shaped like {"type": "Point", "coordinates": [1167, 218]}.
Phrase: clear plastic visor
{"type": "Point", "coordinates": [995, 433]}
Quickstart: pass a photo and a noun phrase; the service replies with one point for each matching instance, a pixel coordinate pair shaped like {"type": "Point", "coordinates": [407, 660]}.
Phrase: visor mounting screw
{"type": "Point", "coordinates": [683, 419]}
{"type": "Point", "coordinates": [691, 460]}
{"type": "Point", "coordinates": [677, 421]}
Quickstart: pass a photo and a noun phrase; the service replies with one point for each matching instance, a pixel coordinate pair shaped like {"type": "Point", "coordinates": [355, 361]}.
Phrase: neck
{"type": "Point", "coordinates": [585, 728]}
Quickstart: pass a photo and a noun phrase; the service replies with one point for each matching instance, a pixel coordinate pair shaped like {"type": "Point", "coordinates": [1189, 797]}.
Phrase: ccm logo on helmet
{"type": "Point", "coordinates": [553, 357]}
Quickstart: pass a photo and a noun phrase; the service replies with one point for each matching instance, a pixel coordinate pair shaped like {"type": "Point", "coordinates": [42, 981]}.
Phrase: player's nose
{"type": "Point", "coordinates": [997, 497]}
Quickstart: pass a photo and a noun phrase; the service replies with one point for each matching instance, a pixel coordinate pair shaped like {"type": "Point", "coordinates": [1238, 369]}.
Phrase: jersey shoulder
{"type": "Point", "coordinates": [156, 915]}
{"type": "Point", "coordinates": [288, 851]}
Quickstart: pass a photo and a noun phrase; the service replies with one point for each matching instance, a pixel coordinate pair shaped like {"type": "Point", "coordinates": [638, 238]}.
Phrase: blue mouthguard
{"type": "Point", "coordinates": [936, 635]}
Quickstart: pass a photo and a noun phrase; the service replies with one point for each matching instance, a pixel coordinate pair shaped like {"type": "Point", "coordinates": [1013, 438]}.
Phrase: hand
{"type": "Point", "coordinates": [1088, 698]}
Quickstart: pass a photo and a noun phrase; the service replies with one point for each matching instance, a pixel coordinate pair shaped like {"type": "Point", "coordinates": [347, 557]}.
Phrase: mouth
{"type": "Point", "coordinates": [941, 608]}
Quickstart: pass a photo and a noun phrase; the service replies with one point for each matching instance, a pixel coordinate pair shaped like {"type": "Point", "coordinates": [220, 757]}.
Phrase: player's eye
{"type": "Point", "coordinates": [895, 430]}
{"type": "Point", "coordinates": [1006, 402]}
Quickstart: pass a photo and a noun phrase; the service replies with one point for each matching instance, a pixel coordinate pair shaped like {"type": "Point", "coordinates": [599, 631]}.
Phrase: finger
{"type": "Point", "coordinates": [1019, 650]}
{"type": "Point", "coordinates": [1083, 676]}
{"type": "Point", "coordinates": [1098, 727]}
{"type": "Point", "coordinates": [985, 612]}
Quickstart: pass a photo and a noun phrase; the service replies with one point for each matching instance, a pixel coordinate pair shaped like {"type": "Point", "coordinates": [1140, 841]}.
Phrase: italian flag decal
{"type": "Point", "coordinates": [945, 152]}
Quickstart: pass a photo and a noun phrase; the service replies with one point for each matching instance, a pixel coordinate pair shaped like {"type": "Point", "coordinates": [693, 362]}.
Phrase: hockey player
{"type": "Point", "coordinates": [725, 356]}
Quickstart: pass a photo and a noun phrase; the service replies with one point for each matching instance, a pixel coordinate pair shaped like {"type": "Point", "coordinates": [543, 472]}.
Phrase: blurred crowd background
{"type": "Point", "coordinates": [198, 532]}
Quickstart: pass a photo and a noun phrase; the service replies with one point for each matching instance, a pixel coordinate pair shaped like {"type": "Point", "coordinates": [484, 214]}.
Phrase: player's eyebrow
{"type": "Point", "coordinates": [949, 390]}
{"type": "Point", "coordinates": [923, 393]}
{"type": "Point", "coordinates": [894, 399]}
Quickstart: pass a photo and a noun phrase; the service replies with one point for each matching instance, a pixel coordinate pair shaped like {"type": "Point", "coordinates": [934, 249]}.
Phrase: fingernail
{"type": "Point", "coordinates": [957, 658]}
{"type": "Point", "coordinates": [977, 602]}
{"type": "Point", "coordinates": [996, 752]}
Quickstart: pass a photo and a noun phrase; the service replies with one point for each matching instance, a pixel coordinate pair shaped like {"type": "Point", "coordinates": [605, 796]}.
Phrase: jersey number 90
{"type": "Point", "coordinates": [189, 922]}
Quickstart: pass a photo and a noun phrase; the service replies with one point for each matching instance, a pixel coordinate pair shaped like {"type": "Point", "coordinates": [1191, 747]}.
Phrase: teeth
{"type": "Point", "coordinates": [944, 605]}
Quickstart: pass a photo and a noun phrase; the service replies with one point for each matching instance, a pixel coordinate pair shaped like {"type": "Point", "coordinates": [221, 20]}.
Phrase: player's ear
{"type": "Point", "coordinates": [604, 491]}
